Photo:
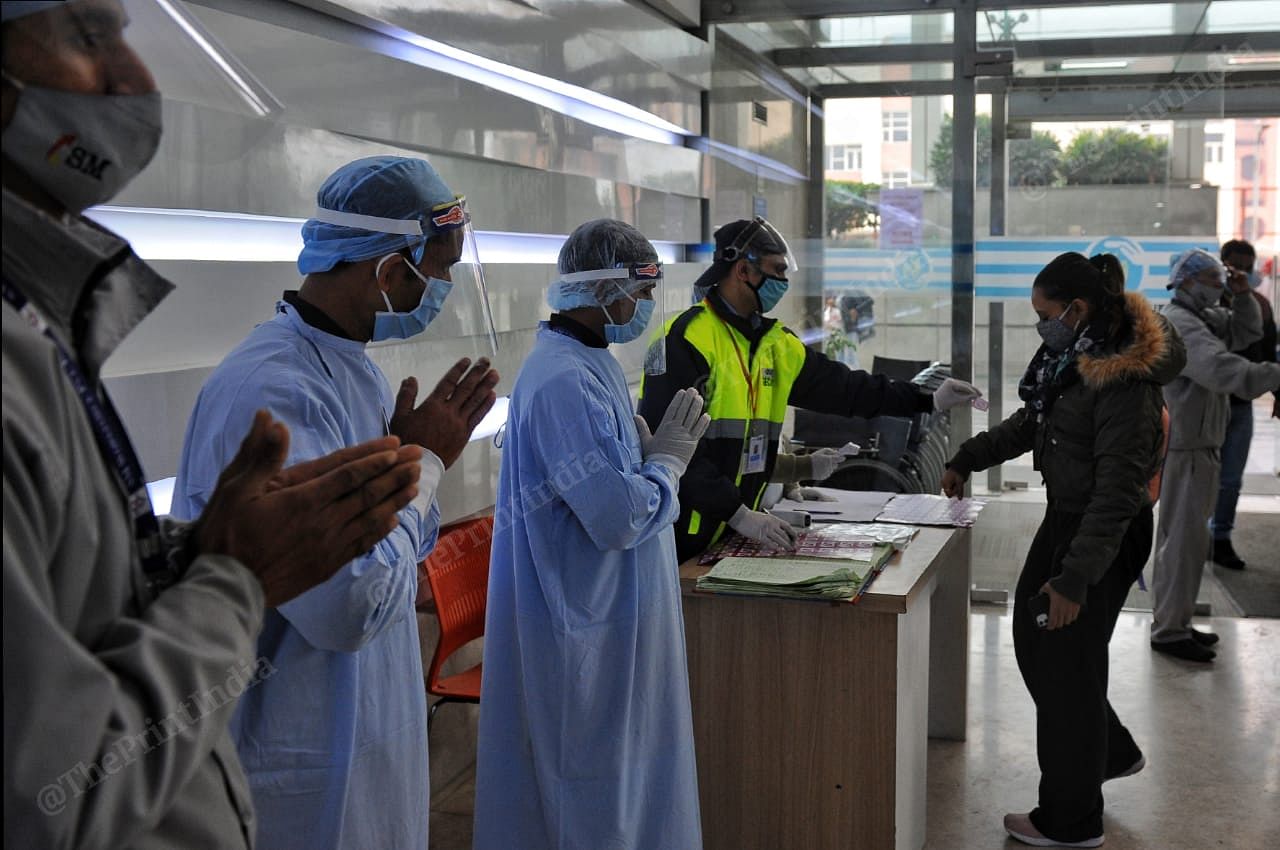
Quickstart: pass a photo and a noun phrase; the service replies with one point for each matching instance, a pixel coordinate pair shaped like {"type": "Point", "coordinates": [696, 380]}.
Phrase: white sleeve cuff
{"type": "Point", "coordinates": [428, 482]}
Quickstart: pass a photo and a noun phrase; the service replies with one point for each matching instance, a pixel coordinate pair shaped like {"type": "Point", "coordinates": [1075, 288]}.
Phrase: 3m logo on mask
{"type": "Point", "coordinates": [76, 157]}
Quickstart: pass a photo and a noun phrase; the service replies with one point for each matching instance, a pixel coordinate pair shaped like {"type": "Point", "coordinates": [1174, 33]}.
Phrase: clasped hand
{"type": "Point", "coordinates": [443, 423]}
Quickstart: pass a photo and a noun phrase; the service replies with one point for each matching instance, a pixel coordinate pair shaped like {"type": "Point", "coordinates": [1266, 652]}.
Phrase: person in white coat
{"type": "Point", "coordinates": [586, 731]}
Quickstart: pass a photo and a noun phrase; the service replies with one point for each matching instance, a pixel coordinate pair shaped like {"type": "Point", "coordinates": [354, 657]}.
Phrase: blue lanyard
{"type": "Point", "coordinates": [113, 443]}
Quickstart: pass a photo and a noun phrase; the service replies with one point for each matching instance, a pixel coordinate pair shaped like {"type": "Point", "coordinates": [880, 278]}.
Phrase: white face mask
{"type": "Point", "coordinates": [1203, 295]}
{"type": "Point", "coordinates": [82, 148]}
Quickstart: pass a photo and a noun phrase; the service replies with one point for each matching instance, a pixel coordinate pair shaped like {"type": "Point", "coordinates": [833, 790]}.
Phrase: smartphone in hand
{"type": "Point", "coordinates": [1038, 605]}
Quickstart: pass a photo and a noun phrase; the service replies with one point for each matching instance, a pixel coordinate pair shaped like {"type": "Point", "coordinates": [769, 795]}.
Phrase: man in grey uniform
{"type": "Point", "coordinates": [1198, 412]}
{"type": "Point", "coordinates": [127, 641]}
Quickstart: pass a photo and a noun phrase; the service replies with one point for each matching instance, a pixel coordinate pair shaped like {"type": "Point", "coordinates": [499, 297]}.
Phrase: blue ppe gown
{"type": "Point", "coordinates": [334, 740]}
{"type": "Point", "coordinates": [586, 733]}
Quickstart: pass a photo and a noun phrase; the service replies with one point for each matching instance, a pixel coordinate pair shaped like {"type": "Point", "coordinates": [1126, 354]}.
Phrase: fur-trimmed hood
{"type": "Point", "coordinates": [1151, 351]}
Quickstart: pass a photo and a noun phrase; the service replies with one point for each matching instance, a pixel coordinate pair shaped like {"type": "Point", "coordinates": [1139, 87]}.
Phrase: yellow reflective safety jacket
{"type": "Point", "coordinates": [749, 370]}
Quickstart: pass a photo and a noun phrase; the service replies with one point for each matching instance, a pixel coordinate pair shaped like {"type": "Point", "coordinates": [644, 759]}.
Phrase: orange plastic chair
{"type": "Point", "coordinates": [458, 572]}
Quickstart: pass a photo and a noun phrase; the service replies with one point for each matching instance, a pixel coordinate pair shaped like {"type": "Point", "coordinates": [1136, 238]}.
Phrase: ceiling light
{"type": "Point", "coordinates": [1254, 59]}
{"type": "Point", "coordinates": [1093, 64]}
{"type": "Point", "coordinates": [211, 235]}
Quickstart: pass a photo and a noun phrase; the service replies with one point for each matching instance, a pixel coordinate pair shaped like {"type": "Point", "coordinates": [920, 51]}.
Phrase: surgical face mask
{"type": "Point", "coordinates": [770, 291]}
{"type": "Point", "coordinates": [1202, 295]}
{"type": "Point", "coordinates": [1255, 279]}
{"type": "Point", "coordinates": [1057, 334]}
{"type": "Point", "coordinates": [395, 325]}
{"type": "Point", "coordinates": [635, 326]}
{"type": "Point", "coordinates": [82, 148]}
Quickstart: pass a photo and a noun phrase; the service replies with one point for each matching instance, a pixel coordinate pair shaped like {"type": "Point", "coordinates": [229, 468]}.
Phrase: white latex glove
{"type": "Point", "coordinates": [676, 439]}
{"type": "Point", "coordinates": [763, 527]}
{"type": "Point", "coordinates": [954, 392]}
{"type": "Point", "coordinates": [825, 462]}
{"type": "Point", "coordinates": [813, 494]}
{"type": "Point", "coordinates": [771, 495]}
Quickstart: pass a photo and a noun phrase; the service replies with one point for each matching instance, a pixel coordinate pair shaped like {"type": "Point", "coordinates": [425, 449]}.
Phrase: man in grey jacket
{"type": "Point", "coordinates": [127, 641]}
{"type": "Point", "coordinates": [1198, 411]}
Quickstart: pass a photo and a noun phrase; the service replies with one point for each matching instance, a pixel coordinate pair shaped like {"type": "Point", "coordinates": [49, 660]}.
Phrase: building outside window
{"type": "Point", "coordinates": [1213, 147]}
{"type": "Point", "coordinates": [844, 157]}
{"type": "Point", "coordinates": [895, 179]}
{"type": "Point", "coordinates": [895, 126]}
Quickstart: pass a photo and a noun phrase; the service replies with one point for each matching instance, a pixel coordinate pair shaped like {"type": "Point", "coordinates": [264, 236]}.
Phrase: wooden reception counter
{"type": "Point", "coordinates": [812, 718]}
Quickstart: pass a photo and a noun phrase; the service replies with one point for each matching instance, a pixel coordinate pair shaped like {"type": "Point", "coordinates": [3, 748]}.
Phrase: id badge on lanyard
{"type": "Point", "coordinates": [755, 447]}
{"type": "Point", "coordinates": [114, 445]}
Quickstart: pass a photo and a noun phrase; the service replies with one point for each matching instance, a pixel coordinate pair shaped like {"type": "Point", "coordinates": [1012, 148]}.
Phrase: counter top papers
{"type": "Point", "coordinates": [795, 578]}
{"type": "Point", "coordinates": [848, 541]}
{"type": "Point", "coordinates": [925, 509]}
{"type": "Point", "coordinates": [848, 505]}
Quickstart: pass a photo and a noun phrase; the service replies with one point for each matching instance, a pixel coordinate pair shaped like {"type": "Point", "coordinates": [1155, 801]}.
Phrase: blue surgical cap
{"type": "Point", "coordinates": [601, 244]}
{"type": "Point", "coordinates": [1191, 263]}
{"type": "Point", "coordinates": [387, 187]}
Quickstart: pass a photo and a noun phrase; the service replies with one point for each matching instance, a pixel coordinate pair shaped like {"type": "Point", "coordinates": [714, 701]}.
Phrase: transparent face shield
{"type": "Point", "coordinates": [751, 242]}
{"type": "Point", "coordinates": [641, 282]}
{"type": "Point", "coordinates": [467, 318]}
{"type": "Point", "coordinates": [464, 325]}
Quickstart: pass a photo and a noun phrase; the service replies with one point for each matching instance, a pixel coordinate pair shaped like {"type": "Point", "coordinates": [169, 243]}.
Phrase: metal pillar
{"type": "Point", "coordinates": [962, 203]}
{"type": "Point", "coordinates": [995, 324]}
{"type": "Point", "coordinates": [999, 159]}
{"type": "Point", "coordinates": [949, 607]}
{"type": "Point", "coordinates": [995, 383]}
{"type": "Point", "coordinates": [815, 215]}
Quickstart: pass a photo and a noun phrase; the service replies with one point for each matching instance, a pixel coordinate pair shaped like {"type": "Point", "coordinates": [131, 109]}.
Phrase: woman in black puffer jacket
{"type": "Point", "coordinates": [1092, 419]}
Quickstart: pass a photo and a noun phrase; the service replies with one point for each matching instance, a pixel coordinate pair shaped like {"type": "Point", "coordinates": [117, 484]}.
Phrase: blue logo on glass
{"type": "Point", "coordinates": [1128, 251]}
{"type": "Point", "coordinates": [910, 268]}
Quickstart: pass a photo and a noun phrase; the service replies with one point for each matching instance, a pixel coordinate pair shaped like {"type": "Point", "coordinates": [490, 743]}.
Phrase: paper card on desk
{"type": "Point", "coordinates": [780, 571]}
{"type": "Point", "coordinates": [829, 542]}
{"type": "Point", "coordinates": [926, 509]}
{"type": "Point", "coordinates": [793, 578]}
{"type": "Point", "coordinates": [896, 535]}
{"type": "Point", "coordinates": [849, 505]}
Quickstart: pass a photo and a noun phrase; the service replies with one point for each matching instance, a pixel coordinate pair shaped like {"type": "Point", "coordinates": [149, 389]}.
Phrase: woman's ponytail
{"type": "Point", "coordinates": [1111, 284]}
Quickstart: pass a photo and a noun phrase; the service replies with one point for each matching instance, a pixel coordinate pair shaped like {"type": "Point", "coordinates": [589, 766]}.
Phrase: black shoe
{"type": "Point", "coordinates": [1203, 638]}
{"type": "Point", "coordinates": [1186, 649]}
{"type": "Point", "coordinates": [1224, 555]}
{"type": "Point", "coordinates": [1136, 767]}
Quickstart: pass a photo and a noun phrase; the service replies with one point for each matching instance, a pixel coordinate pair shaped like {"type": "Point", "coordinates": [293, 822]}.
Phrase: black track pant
{"type": "Point", "coordinates": [1079, 739]}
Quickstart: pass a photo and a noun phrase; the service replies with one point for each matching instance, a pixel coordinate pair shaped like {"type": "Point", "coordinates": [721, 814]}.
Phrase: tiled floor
{"type": "Point", "coordinates": [1211, 734]}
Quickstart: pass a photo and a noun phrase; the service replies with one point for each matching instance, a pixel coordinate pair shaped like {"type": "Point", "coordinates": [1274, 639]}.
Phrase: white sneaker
{"type": "Point", "coordinates": [1021, 828]}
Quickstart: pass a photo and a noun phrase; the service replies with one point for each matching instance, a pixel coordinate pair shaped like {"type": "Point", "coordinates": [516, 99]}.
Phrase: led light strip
{"type": "Point", "coordinates": [565, 98]}
{"type": "Point", "coordinates": [207, 235]}
{"type": "Point", "coordinates": [749, 161]}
